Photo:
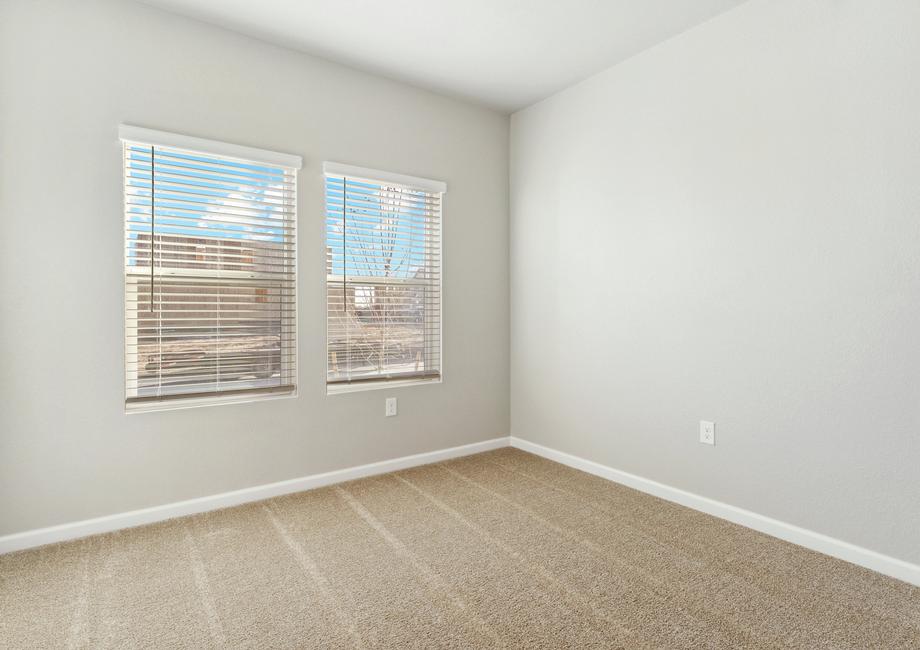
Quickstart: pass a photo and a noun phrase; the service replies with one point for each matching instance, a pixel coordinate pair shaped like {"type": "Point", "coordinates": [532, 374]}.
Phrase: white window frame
{"type": "Point", "coordinates": [415, 182]}
{"type": "Point", "coordinates": [152, 137]}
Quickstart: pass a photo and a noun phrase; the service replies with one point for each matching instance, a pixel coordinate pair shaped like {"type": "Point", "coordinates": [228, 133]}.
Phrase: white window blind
{"type": "Point", "coordinates": [210, 274]}
{"type": "Point", "coordinates": [383, 276]}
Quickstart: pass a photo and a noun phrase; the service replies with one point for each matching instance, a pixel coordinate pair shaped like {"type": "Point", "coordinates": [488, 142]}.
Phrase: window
{"type": "Point", "coordinates": [210, 269]}
{"type": "Point", "coordinates": [383, 277]}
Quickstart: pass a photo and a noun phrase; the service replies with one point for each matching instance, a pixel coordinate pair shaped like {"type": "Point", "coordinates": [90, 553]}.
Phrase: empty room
{"type": "Point", "coordinates": [460, 324]}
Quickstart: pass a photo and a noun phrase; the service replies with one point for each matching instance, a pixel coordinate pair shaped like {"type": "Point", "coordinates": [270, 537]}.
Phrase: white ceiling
{"type": "Point", "coordinates": [506, 54]}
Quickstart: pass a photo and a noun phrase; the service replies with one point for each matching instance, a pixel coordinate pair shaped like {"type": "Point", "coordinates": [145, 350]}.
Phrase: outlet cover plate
{"type": "Point", "coordinates": [707, 432]}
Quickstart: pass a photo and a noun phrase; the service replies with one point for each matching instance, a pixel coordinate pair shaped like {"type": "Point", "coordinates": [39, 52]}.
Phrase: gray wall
{"type": "Point", "coordinates": [727, 227]}
{"type": "Point", "coordinates": [70, 72]}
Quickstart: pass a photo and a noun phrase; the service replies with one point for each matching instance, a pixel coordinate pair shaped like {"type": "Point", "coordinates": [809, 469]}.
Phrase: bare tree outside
{"type": "Point", "coordinates": [380, 281]}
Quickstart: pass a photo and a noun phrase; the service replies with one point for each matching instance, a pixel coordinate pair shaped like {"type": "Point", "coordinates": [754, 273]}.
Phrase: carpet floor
{"type": "Point", "coordinates": [501, 549]}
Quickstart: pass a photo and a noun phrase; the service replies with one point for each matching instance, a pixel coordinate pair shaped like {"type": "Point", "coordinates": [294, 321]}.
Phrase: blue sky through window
{"type": "Point", "coordinates": [374, 230]}
{"type": "Point", "coordinates": [202, 196]}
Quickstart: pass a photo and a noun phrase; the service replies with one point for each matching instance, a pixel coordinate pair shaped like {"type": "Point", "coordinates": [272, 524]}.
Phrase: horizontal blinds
{"type": "Point", "coordinates": [209, 274]}
{"type": "Point", "coordinates": [383, 280]}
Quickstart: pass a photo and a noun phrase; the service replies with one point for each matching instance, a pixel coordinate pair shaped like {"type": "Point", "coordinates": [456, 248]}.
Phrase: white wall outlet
{"type": "Point", "coordinates": [707, 432]}
{"type": "Point", "coordinates": [391, 406]}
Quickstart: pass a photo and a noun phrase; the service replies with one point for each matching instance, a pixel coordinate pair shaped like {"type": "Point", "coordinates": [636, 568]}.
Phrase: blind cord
{"type": "Point", "coordinates": [344, 278]}
{"type": "Point", "coordinates": [153, 217]}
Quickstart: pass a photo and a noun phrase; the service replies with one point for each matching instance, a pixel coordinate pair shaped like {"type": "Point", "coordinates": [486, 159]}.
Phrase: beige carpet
{"type": "Point", "coordinates": [503, 549]}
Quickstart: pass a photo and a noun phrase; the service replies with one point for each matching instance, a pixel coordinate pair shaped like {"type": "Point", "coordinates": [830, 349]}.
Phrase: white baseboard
{"type": "Point", "coordinates": [809, 539]}
{"type": "Point", "coordinates": [884, 564]}
{"type": "Point", "coordinates": [77, 529]}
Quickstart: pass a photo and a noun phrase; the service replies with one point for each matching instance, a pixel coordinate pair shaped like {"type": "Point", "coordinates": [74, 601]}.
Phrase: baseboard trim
{"type": "Point", "coordinates": [108, 523]}
{"type": "Point", "coordinates": [863, 557]}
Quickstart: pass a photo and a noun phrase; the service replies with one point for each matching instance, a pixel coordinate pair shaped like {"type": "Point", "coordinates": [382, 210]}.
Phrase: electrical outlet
{"type": "Point", "coordinates": [391, 406]}
{"type": "Point", "coordinates": [707, 432]}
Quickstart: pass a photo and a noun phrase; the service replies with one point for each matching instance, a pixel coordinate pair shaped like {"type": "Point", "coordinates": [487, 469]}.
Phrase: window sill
{"type": "Point", "coordinates": [198, 402]}
{"type": "Point", "coordinates": [341, 389]}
